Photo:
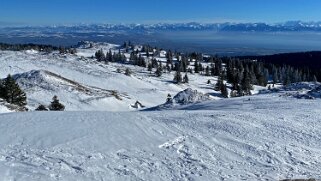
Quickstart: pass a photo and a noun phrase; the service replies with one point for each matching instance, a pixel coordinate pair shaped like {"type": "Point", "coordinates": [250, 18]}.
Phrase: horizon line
{"type": "Point", "coordinates": [4, 24]}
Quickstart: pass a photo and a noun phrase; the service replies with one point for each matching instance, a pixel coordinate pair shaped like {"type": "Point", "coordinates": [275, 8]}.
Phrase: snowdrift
{"type": "Point", "coordinates": [280, 139]}
{"type": "Point", "coordinates": [183, 98]}
{"type": "Point", "coordinates": [189, 96]}
{"type": "Point", "coordinates": [37, 83]}
{"type": "Point", "coordinates": [302, 90]}
{"type": "Point", "coordinates": [6, 107]}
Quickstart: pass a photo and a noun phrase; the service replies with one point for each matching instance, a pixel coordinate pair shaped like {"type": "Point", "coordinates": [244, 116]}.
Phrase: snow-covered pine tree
{"type": "Point", "coordinates": [315, 79]}
{"type": "Point", "coordinates": [224, 91]}
{"type": "Point", "coordinates": [159, 71]}
{"type": "Point", "coordinates": [128, 72]}
{"type": "Point", "coordinates": [150, 67]}
{"type": "Point", "coordinates": [196, 67]}
{"type": "Point", "coordinates": [219, 83]}
{"type": "Point", "coordinates": [178, 77]}
{"type": "Point", "coordinates": [246, 83]}
{"type": "Point", "coordinates": [2, 90]}
{"type": "Point", "coordinates": [185, 79]}
{"type": "Point", "coordinates": [56, 105]}
{"type": "Point", "coordinates": [41, 107]}
{"type": "Point", "coordinates": [169, 98]}
{"type": "Point", "coordinates": [100, 56]}
{"type": "Point", "coordinates": [12, 92]}
{"type": "Point", "coordinates": [207, 71]}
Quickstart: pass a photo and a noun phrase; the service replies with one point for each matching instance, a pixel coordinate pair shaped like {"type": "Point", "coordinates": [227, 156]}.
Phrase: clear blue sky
{"type": "Point", "coordinates": [46, 12]}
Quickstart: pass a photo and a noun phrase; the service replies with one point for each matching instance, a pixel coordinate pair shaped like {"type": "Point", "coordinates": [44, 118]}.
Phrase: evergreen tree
{"type": "Point", "coordinates": [159, 71]}
{"type": "Point", "coordinates": [315, 79]}
{"type": "Point", "coordinates": [218, 84]}
{"type": "Point", "coordinates": [150, 67]}
{"type": "Point", "coordinates": [56, 105]}
{"type": "Point", "coordinates": [196, 67]}
{"type": "Point", "coordinates": [239, 91]}
{"type": "Point", "coordinates": [212, 69]}
{"type": "Point", "coordinates": [246, 83]}
{"type": "Point", "coordinates": [109, 56]}
{"type": "Point", "coordinates": [224, 91]}
{"type": "Point", "coordinates": [252, 75]}
{"type": "Point", "coordinates": [128, 72]}
{"type": "Point", "coordinates": [185, 79]}
{"type": "Point", "coordinates": [2, 90]}
{"type": "Point", "coordinates": [177, 77]}
{"type": "Point", "coordinates": [12, 92]}
{"type": "Point", "coordinates": [207, 71]}
{"type": "Point", "coordinates": [169, 98]}
{"type": "Point", "coordinates": [169, 57]}
{"type": "Point", "coordinates": [41, 107]}
{"type": "Point", "coordinates": [154, 63]}
{"type": "Point", "coordinates": [184, 65]}
{"type": "Point", "coordinates": [233, 93]}
{"type": "Point", "coordinates": [218, 68]}
{"type": "Point", "coordinates": [275, 76]}
{"type": "Point", "coordinates": [168, 67]}
{"type": "Point", "coordinates": [201, 68]}
{"type": "Point", "coordinates": [100, 56]}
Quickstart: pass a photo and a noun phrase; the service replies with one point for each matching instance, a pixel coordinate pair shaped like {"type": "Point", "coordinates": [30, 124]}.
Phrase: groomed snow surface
{"type": "Point", "coordinates": [266, 138]}
{"type": "Point", "coordinates": [199, 136]}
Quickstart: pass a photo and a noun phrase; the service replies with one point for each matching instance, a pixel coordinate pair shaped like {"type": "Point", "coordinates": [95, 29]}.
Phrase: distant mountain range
{"type": "Point", "coordinates": [193, 26]}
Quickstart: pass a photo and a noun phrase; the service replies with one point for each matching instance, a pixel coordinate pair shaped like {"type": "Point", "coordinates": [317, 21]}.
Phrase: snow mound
{"type": "Point", "coordinates": [300, 86]}
{"type": "Point", "coordinates": [315, 93]}
{"type": "Point", "coordinates": [302, 90]}
{"type": "Point", "coordinates": [183, 98]}
{"type": "Point", "coordinates": [32, 51]}
{"type": "Point", "coordinates": [41, 85]}
{"type": "Point", "coordinates": [95, 45]}
{"type": "Point", "coordinates": [47, 80]}
{"type": "Point", "coordinates": [3, 107]}
{"type": "Point", "coordinates": [88, 48]}
{"type": "Point", "coordinates": [6, 107]}
{"type": "Point", "coordinates": [84, 44]}
{"type": "Point", "coordinates": [299, 90]}
{"type": "Point", "coordinates": [189, 96]}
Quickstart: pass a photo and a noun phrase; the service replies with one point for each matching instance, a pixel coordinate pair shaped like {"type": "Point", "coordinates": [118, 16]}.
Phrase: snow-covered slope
{"type": "Point", "coordinates": [266, 138]}
{"type": "Point", "coordinates": [3, 107]}
{"type": "Point", "coordinates": [42, 84]}
{"type": "Point", "coordinates": [197, 136]}
{"type": "Point", "coordinates": [45, 75]}
{"type": "Point", "coordinates": [88, 49]}
{"type": "Point", "coordinates": [6, 107]}
{"type": "Point", "coordinates": [300, 90]}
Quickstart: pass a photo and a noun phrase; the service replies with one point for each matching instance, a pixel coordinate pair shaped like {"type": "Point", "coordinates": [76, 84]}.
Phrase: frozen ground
{"type": "Point", "coordinates": [266, 138]}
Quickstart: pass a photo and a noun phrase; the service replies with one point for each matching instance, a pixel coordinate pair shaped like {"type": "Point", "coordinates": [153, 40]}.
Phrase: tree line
{"type": "Point", "coordinates": [308, 62]}
{"type": "Point", "coordinates": [37, 47]}
{"type": "Point", "coordinates": [236, 73]}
